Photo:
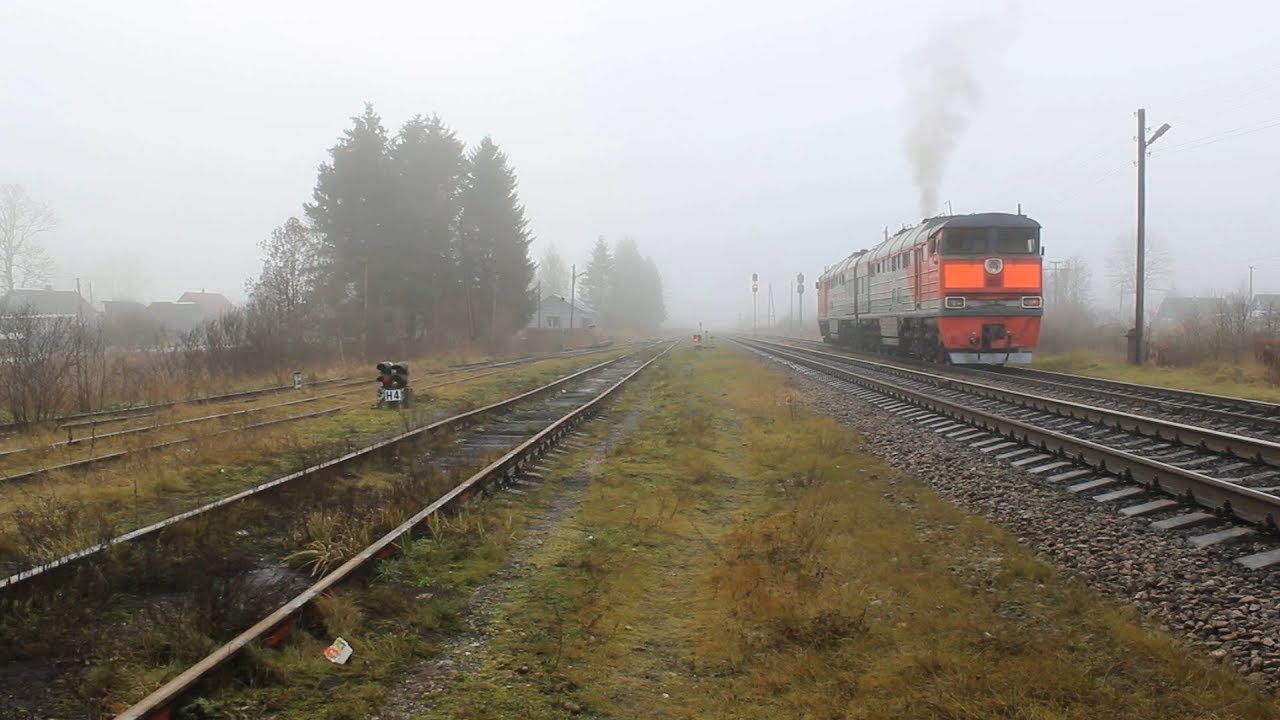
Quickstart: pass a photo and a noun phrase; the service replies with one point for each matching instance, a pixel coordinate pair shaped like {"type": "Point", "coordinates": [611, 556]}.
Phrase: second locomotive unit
{"type": "Point", "coordinates": [964, 289]}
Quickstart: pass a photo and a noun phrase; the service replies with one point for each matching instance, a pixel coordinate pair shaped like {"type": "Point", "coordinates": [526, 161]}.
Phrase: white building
{"type": "Point", "coordinates": [554, 312]}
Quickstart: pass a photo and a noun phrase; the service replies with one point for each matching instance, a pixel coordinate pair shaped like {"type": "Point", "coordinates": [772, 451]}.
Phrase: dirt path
{"type": "Point", "coordinates": [468, 651]}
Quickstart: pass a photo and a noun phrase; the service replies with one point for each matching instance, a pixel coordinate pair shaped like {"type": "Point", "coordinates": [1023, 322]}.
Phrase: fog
{"type": "Point", "coordinates": [171, 137]}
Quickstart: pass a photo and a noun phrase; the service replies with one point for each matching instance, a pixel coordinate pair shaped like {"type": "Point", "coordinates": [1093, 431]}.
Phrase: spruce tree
{"type": "Point", "coordinates": [422, 278]}
{"type": "Point", "coordinates": [494, 244]}
{"type": "Point", "coordinates": [349, 207]}
{"type": "Point", "coordinates": [598, 281]}
{"type": "Point", "coordinates": [636, 299]}
{"type": "Point", "coordinates": [655, 304]}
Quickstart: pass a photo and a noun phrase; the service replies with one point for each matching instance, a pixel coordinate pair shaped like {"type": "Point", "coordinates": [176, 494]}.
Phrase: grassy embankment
{"type": "Point", "coordinates": [410, 609]}
{"type": "Point", "coordinates": [733, 557]}
{"type": "Point", "coordinates": [65, 511]}
{"type": "Point", "coordinates": [1247, 380]}
{"type": "Point", "coordinates": [210, 563]}
{"type": "Point", "coordinates": [737, 557]}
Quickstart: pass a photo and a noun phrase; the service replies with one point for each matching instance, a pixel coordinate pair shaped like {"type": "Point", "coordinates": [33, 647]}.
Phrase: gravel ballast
{"type": "Point", "coordinates": [1217, 604]}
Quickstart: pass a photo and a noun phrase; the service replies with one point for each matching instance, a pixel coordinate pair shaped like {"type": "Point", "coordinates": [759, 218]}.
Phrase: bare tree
{"type": "Point", "coordinates": [1069, 322]}
{"type": "Point", "coordinates": [283, 294]}
{"type": "Point", "coordinates": [39, 354]}
{"type": "Point", "coordinates": [1122, 271]}
{"type": "Point", "coordinates": [22, 257]}
{"type": "Point", "coordinates": [552, 273]}
{"type": "Point", "coordinates": [1231, 326]}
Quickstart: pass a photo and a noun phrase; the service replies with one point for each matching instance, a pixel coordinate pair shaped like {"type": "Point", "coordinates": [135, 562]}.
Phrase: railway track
{"type": "Point", "coordinates": [26, 573]}
{"type": "Point", "coordinates": [1239, 416]}
{"type": "Point", "coordinates": [91, 419]}
{"type": "Point", "coordinates": [346, 388]}
{"type": "Point", "coordinates": [98, 417]}
{"type": "Point", "coordinates": [1212, 485]}
{"type": "Point", "coordinates": [515, 430]}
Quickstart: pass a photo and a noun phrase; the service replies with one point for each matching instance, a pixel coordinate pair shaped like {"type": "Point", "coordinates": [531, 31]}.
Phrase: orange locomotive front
{"type": "Point", "coordinates": [964, 289]}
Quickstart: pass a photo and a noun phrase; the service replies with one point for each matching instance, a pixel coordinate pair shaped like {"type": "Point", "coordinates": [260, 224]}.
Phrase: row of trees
{"type": "Point", "coordinates": [410, 242]}
{"type": "Point", "coordinates": [621, 285]}
{"type": "Point", "coordinates": [1225, 327]}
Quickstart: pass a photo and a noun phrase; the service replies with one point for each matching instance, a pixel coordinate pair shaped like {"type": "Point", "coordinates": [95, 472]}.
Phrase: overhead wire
{"type": "Point", "coordinates": [1200, 142]}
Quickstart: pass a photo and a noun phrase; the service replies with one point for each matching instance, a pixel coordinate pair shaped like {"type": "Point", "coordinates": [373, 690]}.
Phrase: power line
{"type": "Point", "coordinates": [1220, 136]}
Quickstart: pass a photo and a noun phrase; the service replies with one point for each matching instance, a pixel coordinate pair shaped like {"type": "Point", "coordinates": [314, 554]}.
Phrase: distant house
{"type": "Point", "coordinates": [1266, 306]}
{"type": "Point", "coordinates": [46, 302]}
{"type": "Point", "coordinates": [1180, 309]}
{"type": "Point", "coordinates": [211, 304]}
{"type": "Point", "coordinates": [179, 317]}
{"type": "Point", "coordinates": [123, 309]}
{"type": "Point", "coordinates": [554, 312]}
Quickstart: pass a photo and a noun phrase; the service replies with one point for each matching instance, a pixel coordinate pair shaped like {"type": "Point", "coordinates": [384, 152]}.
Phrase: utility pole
{"type": "Point", "coordinates": [755, 303]}
{"type": "Point", "coordinates": [364, 316]}
{"type": "Point", "coordinates": [769, 316]}
{"type": "Point", "coordinates": [573, 287]}
{"type": "Point", "coordinates": [800, 298]}
{"type": "Point", "coordinates": [791, 313]}
{"type": "Point", "coordinates": [493, 317]}
{"type": "Point", "coordinates": [1251, 286]}
{"type": "Point", "coordinates": [1057, 282]}
{"type": "Point", "coordinates": [1135, 335]}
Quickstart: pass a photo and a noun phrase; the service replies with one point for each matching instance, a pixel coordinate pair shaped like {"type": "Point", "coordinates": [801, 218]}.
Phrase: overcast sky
{"type": "Point", "coordinates": [726, 137]}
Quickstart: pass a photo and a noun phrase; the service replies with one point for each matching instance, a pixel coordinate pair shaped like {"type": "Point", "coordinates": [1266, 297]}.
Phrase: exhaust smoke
{"type": "Point", "coordinates": [943, 90]}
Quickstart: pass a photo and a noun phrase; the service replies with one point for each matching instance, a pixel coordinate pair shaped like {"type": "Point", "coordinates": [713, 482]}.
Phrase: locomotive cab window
{"type": "Point", "coordinates": [965, 241]}
{"type": "Point", "coordinates": [991, 241]}
{"type": "Point", "coordinates": [1016, 241]}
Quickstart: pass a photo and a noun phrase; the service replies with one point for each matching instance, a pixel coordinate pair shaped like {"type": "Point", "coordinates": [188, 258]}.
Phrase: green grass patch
{"type": "Point", "coordinates": [737, 556]}
{"type": "Point", "coordinates": [403, 611]}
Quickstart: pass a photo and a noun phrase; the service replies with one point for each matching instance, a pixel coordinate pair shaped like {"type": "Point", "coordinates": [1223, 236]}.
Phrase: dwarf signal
{"type": "Point", "coordinates": [394, 385]}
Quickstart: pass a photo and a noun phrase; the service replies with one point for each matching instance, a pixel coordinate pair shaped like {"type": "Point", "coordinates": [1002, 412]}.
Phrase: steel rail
{"type": "Point", "coordinates": [1257, 409]}
{"type": "Point", "coordinates": [1223, 497]}
{"type": "Point", "coordinates": [121, 454]}
{"type": "Point", "coordinates": [362, 453]}
{"type": "Point", "coordinates": [1225, 407]}
{"type": "Point", "coordinates": [1260, 450]}
{"type": "Point", "coordinates": [508, 465]}
{"type": "Point", "coordinates": [1271, 424]}
{"type": "Point", "coordinates": [98, 417]}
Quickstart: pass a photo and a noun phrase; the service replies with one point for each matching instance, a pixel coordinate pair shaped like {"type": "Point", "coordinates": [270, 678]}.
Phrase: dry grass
{"type": "Point", "coordinates": [737, 557]}
{"type": "Point", "coordinates": [407, 610]}
{"type": "Point", "coordinates": [1247, 380]}
{"type": "Point", "coordinates": [35, 516]}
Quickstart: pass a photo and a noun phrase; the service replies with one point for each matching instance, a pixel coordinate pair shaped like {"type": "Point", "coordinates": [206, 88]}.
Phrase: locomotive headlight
{"type": "Point", "coordinates": [954, 302]}
{"type": "Point", "coordinates": [1032, 301]}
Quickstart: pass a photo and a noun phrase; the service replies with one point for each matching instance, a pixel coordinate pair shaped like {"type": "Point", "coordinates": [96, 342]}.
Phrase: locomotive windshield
{"type": "Point", "coordinates": [990, 241]}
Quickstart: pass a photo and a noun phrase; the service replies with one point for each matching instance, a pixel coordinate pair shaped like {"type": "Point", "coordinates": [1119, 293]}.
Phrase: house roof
{"type": "Point", "coordinates": [45, 302]}
{"type": "Point", "coordinates": [209, 303]}
{"type": "Point", "coordinates": [557, 300]}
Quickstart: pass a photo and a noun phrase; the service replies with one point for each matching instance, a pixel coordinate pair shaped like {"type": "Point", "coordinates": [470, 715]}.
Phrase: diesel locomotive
{"type": "Point", "coordinates": [960, 289]}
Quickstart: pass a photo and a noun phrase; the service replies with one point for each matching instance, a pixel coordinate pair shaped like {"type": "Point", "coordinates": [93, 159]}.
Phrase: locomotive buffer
{"type": "Point", "coordinates": [394, 390]}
